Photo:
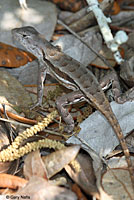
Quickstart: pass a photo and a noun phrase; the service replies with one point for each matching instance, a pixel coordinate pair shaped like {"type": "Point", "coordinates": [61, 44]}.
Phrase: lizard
{"type": "Point", "coordinates": [73, 75]}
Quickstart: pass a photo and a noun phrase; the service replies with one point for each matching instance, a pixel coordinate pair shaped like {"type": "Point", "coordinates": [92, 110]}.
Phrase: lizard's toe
{"type": "Point", "coordinates": [69, 128]}
{"type": "Point", "coordinates": [36, 105]}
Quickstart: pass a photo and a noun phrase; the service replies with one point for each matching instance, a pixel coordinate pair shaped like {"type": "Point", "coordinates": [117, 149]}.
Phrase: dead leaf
{"type": "Point", "coordinates": [117, 183]}
{"type": "Point", "coordinates": [10, 181]}
{"type": "Point", "coordinates": [119, 162]}
{"type": "Point", "coordinates": [56, 161]}
{"type": "Point", "coordinates": [115, 8]}
{"type": "Point", "coordinates": [108, 56]}
{"type": "Point", "coordinates": [34, 166]}
{"type": "Point", "coordinates": [97, 132]}
{"type": "Point", "coordinates": [76, 189]}
{"type": "Point", "coordinates": [69, 45]}
{"type": "Point", "coordinates": [12, 92]}
{"type": "Point", "coordinates": [83, 173]}
{"type": "Point", "coordinates": [39, 189]}
{"type": "Point", "coordinates": [13, 57]}
{"type": "Point", "coordinates": [73, 5]}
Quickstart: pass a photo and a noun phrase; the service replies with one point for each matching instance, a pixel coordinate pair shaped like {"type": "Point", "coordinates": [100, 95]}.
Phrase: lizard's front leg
{"type": "Point", "coordinates": [42, 70]}
{"type": "Point", "coordinates": [113, 79]}
{"type": "Point", "coordinates": [118, 96]}
{"type": "Point", "coordinates": [65, 100]}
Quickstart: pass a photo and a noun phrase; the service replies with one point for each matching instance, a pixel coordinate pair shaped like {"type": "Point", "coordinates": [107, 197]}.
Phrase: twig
{"type": "Point", "coordinates": [14, 122]}
{"type": "Point", "coordinates": [23, 4]}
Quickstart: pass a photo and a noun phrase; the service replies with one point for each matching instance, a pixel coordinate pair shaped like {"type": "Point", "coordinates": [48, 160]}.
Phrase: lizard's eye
{"type": "Point", "coordinates": [24, 35]}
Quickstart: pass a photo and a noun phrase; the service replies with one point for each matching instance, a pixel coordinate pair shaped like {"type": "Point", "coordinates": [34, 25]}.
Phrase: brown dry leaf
{"type": "Point", "coordinates": [13, 57]}
{"type": "Point", "coordinates": [39, 189]}
{"type": "Point", "coordinates": [83, 174]}
{"type": "Point", "coordinates": [77, 190]}
{"type": "Point", "coordinates": [70, 5]}
{"type": "Point", "coordinates": [34, 166]}
{"type": "Point", "coordinates": [115, 8]}
{"type": "Point", "coordinates": [117, 183]}
{"type": "Point", "coordinates": [56, 161]}
{"type": "Point", "coordinates": [12, 182]}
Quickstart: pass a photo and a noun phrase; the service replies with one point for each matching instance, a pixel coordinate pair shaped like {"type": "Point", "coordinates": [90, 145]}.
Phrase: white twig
{"type": "Point", "coordinates": [112, 42]}
{"type": "Point", "coordinates": [23, 4]}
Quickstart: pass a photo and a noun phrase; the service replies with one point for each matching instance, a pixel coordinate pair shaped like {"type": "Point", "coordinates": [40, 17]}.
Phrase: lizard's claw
{"type": "Point", "coordinates": [38, 104]}
{"type": "Point", "coordinates": [69, 128]}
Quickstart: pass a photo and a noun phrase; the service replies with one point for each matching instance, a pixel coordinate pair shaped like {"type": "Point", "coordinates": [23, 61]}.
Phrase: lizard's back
{"type": "Point", "coordinates": [80, 75]}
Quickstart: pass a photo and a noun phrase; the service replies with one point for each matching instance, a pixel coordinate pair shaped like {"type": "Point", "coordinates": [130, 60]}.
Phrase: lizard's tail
{"type": "Point", "coordinates": [117, 129]}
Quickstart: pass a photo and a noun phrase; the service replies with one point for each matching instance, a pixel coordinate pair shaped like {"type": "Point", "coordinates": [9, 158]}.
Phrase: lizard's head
{"type": "Point", "coordinates": [29, 38]}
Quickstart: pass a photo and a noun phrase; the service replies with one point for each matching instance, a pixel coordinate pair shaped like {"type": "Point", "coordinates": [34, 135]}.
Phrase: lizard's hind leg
{"type": "Point", "coordinates": [61, 104]}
